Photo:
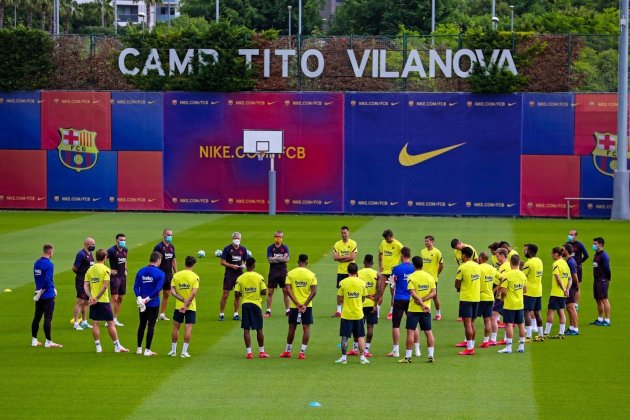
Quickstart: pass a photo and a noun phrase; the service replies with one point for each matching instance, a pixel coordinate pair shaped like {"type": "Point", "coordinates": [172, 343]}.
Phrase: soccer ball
{"type": "Point", "coordinates": [201, 253]}
{"type": "Point", "coordinates": [249, 253]}
{"type": "Point", "coordinates": [218, 253]}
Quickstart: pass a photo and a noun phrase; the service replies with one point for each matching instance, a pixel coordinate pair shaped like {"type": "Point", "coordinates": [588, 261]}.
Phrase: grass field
{"type": "Point", "coordinates": [579, 377]}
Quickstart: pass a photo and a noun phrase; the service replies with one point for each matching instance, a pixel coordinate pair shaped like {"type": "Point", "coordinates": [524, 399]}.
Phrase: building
{"type": "Point", "coordinates": [135, 11]}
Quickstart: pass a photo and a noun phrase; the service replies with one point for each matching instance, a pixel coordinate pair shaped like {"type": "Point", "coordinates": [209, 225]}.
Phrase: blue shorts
{"type": "Point", "coordinates": [168, 278]}
{"type": "Point", "coordinates": [600, 289]}
{"type": "Point", "coordinates": [484, 309]}
{"type": "Point", "coordinates": [513, 316]}
{"type": "Point", "coordinates": [571, 297]}
{"type": "Point", "coordinates": [468, 309]}
{"type": "Point", "coordinates": [497, 306]}
{"type": "Point", "coordinates": [422, 318]}
{"type": "Point", "coordinates": [370, 317]}
{"type": "Point", "coordinates": [188, 317]}
{"type": "Point", "coordinates": [118, 286]}
{"type": "Point", "coordinates": [352, 328]}
{"type": "Point", "coordinates": [532, 303]}
{"type": "Point", "coordinates": [307, 316]}
{"type": "Point", "coordinates": [251, 317]}
{"type": "Point", "coordinates": [556, 303]}
{"type": "Point", "coordinates": [101, 311]}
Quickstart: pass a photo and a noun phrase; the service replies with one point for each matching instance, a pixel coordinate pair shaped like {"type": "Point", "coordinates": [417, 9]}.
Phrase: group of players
{"type": "Point", "coordinates": [490, 285]}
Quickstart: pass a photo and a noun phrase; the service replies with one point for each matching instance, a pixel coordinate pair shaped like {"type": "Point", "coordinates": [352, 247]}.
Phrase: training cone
{"type": "Point", "coordinates": [7, 290]}
{"type": "Point", "coordinates": [314, 404]}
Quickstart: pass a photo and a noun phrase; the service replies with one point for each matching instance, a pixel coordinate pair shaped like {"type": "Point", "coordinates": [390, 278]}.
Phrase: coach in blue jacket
{"type": "Point", "coordinates": [45, 293]}
{"type": "Point", "coordinates": [147, 287]}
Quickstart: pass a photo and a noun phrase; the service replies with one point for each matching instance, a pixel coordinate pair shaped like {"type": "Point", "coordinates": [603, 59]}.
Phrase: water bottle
{"type": "Point", "coordinates": [299, 318]}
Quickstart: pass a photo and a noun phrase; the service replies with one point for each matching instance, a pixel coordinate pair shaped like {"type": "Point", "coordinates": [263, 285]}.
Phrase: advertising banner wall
{"type": "Point", "coordinates": [19, 120]}
{"type": "Point", "coordinates": [140, 181]}
{"type": "Point", "coordinates": [23, 179]}
{"type": "Point", "coordinates": [548, 123]}
{"type": "Point", "coordinates": [137, 121]}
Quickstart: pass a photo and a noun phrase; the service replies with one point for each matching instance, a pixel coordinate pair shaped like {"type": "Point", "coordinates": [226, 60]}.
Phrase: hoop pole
{"type": "Point", "coordinates": [272, 186]}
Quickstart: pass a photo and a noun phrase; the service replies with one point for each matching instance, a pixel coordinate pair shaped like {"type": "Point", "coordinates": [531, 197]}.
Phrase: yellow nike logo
{"type": "Point", "coordinates": [406, 159]}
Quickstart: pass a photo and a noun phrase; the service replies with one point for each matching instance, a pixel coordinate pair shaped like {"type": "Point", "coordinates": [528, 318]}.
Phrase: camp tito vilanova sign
{"type": "Point", "coordinates": [424, 64]}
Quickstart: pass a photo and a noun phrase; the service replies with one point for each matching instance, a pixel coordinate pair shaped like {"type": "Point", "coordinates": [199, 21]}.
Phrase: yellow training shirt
{"type": "Point", "coordinates": [250, 284]}
{"type": "Point", "coordinates": [184, 282]}
{"type": "Point", "coordinates": [301, 279]}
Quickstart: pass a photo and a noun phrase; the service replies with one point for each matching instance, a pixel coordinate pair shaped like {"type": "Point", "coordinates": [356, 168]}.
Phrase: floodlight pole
{"type": "Point", "coordinates": [621, 193]}
{"type": "Point", "coordinates": [494, 24]}
{"type": "Point", "coordinates": [216, 10]}
{"type": "Point", "coordinates": [272, 186]}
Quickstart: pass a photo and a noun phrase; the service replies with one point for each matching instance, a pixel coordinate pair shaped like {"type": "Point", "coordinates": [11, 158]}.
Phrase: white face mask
{"type": "Point", "coordinates": [236, 242]}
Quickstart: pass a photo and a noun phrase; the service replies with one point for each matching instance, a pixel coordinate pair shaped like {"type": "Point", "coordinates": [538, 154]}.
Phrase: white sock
{"type": "Point", "coordinates": [470, 344]}
{"type": "Point", "coordinates": [47, 342]}
{"type": "Point", "coordinates": [367, 346]}
{"type": "Point", "coordinates": [534, 324]}
{"type": "Point", "coordinates": [288, 347]}
{"type": "Point", "coordinates": [540, 331]}
{"type": "Point", "coordinates": [221, 314]}
{"type": "Point", "coordinates": [235, 313]}
{"type": "Point", "coordinates": [261, 349]}
{"type": "Point", "coordinates": [304, 346]}
{"type": "Point", "coordinates": [338, 308]}
{"type": "Point", "coordinates": [431, 350]}
{"type": "Point", "coordinates": [97, 342]}
{"type": "Point", "coordinates": [547, 328]}
{"type": "Point", "coordinates": [493, 337]}
{"type": "Point", "coordinates": [521, 341]}
{"type": "Point", "coordinates": [562, 327]}
{"type": "Point", "coordinates": [355, 346]}
{"type": "Point", "coordinates": [508, 343]}
{"type": "Point", "coordinates": [174, 347]}
{"type": "Point", "coordinates": [607, 320]}
{"type": "Point", "coordinates": [408, 353]}
{"type": "Point", "coordinates": [185, 348]}
{"type": "Point", "coordinates": [76, 324]}
{"type": "Point", "coordinates": [162, 314]}
{"type": "Point", "coordinates": [343, 357]}
{"type": "Point", "coordinates": [600, 319]}
{"type": "Point", "coordinates": [117, 343]}
{"type": "Point", "coordinates": [395, 349]}
{"type": "Point", "coordinates": [416, 347]}
{"type": "Point", "coordinates": [486, 339]}
{"type": "Point", "coordinates": [248, 350]}
{"type": "Point", "coordinates": [576, 329]}
{"type": "Point", "coordinates": [269, 310]}
{"type": "Point", "coordinates": [438, 312]}
{"type": "Point", "coordinates": [391, 310]}
{"type": "Point", "coordinates": [528, 331]}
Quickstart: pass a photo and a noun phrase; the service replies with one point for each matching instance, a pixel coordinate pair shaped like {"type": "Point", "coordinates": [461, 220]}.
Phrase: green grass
{"type": "Point", "coordinates": [579, 377]}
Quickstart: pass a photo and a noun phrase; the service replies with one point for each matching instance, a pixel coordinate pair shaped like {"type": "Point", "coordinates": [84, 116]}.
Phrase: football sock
{"type": "Point", "coordinates": [395, 349]}
{"type": "Point", "coordinates": [97, 342]}
{"type": "Point", "coordinates": [600, 319]}
{"type": "Point", "coordinates": [185, 348]}
{"type": "Point", "coordinates": [288, 347]}
{"type": "Point", "coordinates": [508, 343]}
{"type": "Point", "coordinates": [355, 346]}
{"type": "Point", "coordinates": [540, 331]}
{"type": "Point", "coordinates": [562, 327]}
{"type": "Point", "coordinates": [416, 347]}
{"type": "Point", "coordinates": [547, 328]}
{"type": "Point", "coordinates": [248, 350]}
{"type": "Point", "coordinates": [408, 353]}
{"type": "Point", "coordinates": [431, 350]}
{"type": "Point", "coordinates": [221, 314]}
{"type": "Point", "coordinates": [486, 339]}
{"type": "Point", "coordinates": [367, 346]}
{"type": "Point", "coordinates": [235, 313]}
{"type": "Point", "coordinates": [261, 349]}
{"type": "Point", "coordinates": [534, 324]}
{"type": "Point", "coordinates": [521, 341]}
{"type": "Point", "coordinates": [438, 312]}
{"type": "Point", "coordinates": [304, 346]}
{"type": "Point", "coordinates": [607, 320]}
{"type": "Point", "coordinates": [493, 337]}
{"type": "Point", "coordinates": [174, 347]}
{"type": "Point", "coordinates": [116, 343]}
{"type": "Point", "coordinates": [470, 344]}
{"type": "Point", "coordinates": [343, 357]}
{"type": "Point", "coordinates": [528, 331]}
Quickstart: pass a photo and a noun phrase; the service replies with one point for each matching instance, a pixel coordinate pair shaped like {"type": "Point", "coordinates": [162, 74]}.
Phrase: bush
{"type": "Point", "coordinates": [27, 54]}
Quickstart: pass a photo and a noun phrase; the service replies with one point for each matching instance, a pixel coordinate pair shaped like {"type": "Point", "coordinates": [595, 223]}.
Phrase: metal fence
{"type": "Point", "coordinates": [549, 63]}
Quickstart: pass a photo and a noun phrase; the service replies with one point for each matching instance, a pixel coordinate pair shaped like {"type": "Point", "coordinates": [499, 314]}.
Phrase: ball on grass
{"type": "Point", "coordinates": [201, 253]}
{"type": "Point", "coordinates": [218, 253]}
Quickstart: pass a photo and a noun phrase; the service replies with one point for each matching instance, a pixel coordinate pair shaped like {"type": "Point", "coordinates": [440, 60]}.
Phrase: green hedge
{"type": "Point", "coordinates": [27, 56]}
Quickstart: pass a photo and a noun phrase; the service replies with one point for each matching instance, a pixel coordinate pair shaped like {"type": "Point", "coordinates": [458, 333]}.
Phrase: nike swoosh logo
{"type": "Point", "coordinates": [214, 102]}
{"type": "Point", "coordinates": [406, 159]}
{"type": "Point", "coordinates": [393, 203]}
{"type": "Point", "coordinates": [451, 204]}
{"type": "Point", "coordinates": [215, 201]}
{"type": "Point", "coordinates": [95, 102]}
{"type": "Point", "coordinates": [452, 103]}
{"type": "Point", "coordinates": [394, 103]}
{"type": "Point", "coordinates": [151, 200]}
{"type": "Point", "coordinates": [271, 103]}
{"type": "Point", "coordinates": [151, 102]}
{"type": "Point", "coordinates": [511, 103]}
{"type": "Point", "coordinates": [95, 199]}
{"type": "Point", "coordinates": [39, 101]}
{"type": "Point", "coordinates": [327, 202]}
{"type": "Point", "coordinates": [576, 104]}
{"type": "Point", "coordinates": [327, 103]}
{"type": "Point", "coordinates": [40, 198]}
{"type": "Point", "coordinates": [511, 205]}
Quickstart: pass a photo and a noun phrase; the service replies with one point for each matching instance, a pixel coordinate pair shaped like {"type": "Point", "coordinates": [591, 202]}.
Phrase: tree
{"type": "Point", "coordinates": [3, 5]}
{"type": "Point", "coordinates": [68, 10]}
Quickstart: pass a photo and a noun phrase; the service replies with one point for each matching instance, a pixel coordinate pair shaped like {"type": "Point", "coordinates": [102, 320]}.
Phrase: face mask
{"type": "Point", "coordinates": [91, 248]}
{"type": "Point", "coordinates": [122, 244]}
{"type": "Point", "coordinates": [594, 247]}
{"type": "Point", "coordinates": [571, 238]}
{"type": "Point", "coordinates": [278, 241]}
{"type": "Point", "coordinates": [236, 242]}
{"type": "Point", "coordinates": [169, 238]}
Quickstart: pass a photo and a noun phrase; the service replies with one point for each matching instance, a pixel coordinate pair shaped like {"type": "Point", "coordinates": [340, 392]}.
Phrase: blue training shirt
{"type": "Point", "coordinates": [402, 272]}
{"type": "Point", "coordinates": [43, 273]}
{"type": "Point", "coordinates": [149, 281]}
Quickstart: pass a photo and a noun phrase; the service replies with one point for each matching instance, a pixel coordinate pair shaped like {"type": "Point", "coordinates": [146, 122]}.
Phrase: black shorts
{"type": "Point", "coordinates": [277, 280]}
{"type": "Point", "coordinates": [422, 318]}
{"type": "Point", "coordinates": [118, 286]}
{"type": "Point", "coordinates": [497, 306]}
{"type": "Point", "coordinates": [600, 289]}
{"type": "Point", "coordinates": [168, 277]}
{"type": "Point", "coordinates": [45, 307]}
{"type": "Point", "coordinates": [468, 309]}
{"type": "Point", "coordinates": [556, 303]}
{"type": "Point", "coordinates": [484, 310]}
{"type": "Point", "coordinates": [571, 297]}
{"type": "Point", "coordinates": [229, 281]}
{"type": "Point", "coordinates": [78, 284]}
{"type": "Point", "coordinates": [251, 317]}
{"type": "Point", "coordinates": [370, 317]}
{"type": "Point", "coordinates": [400, 308]}
{"type": "Point", "coordinates": [513, 316]}
{"type": "Point", "coordinates": [307, 316]}
{"type": "Point", "coordinates": [340, 277]}
{"type": "Point", "coordinates": [188, 317]}
{"type": "Point", "coordinates": [532, 303]}
{"type": "Point", "coordinates": [101, 311]}
{"type": "Point", "coordinates": [351, 328]}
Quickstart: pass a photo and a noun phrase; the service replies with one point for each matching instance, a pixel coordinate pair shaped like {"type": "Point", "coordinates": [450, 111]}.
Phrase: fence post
{"type": "Point", "coordinates": [404, 56]}
{"type": "Point", "coordinates": [569, 46]}
{"type": "Point", "coordinates": [299, 59]}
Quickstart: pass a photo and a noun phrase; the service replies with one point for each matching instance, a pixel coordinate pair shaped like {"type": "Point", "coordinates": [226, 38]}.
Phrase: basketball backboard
{"type": "Point", "coordinates": [263, 141]}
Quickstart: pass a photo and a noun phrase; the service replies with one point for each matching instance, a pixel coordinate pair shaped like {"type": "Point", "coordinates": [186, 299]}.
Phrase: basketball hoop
{"type": "Point", "coordinates": [261, 155]}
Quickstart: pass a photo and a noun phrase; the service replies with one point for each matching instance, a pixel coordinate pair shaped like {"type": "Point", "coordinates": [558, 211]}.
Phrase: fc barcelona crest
{"type": "Point", "coordinates": [77, 149]}
{"type": "Point", "coordinates": [605, 153]}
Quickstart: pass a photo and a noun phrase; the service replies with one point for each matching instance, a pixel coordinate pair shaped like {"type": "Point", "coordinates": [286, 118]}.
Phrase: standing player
{"type": "Point", "coordinates": [433, 264]}
{"type": "Point", "coordinates": [184, 288]}
{"type": "Point", "coordinates": [388, 257]}
{"type": "Point", "coordinates": [301, 288]}
{"type": "Point", "coordinates": [511, 251]}
{"type": "Point", "coordinates": [467, 283]}
{"type": "Point", "coordinates": [117, 256]}
{"type": "Point", "coordinates": [399, 276]}
{"type": "Point", "coordinates": [344, 252]}
{"type": "Point", "coordinates": [457, 246]}
{"type": "Point", "coordinates": [251, 287]}
{"type": "Point", "coordinates": [45, 293]}
{"type": "Point", "coordinates": [96, 287]}
{"type": "Point", "coordinates": [486, 299]}
{"type": "Point", "coordinates": [601, 281]}
{"type": "Point", "coordinates": [422, 289]}
{"type": "Point", "coordinates": [82, 262]}
{"type": "Point", "coordinates": [512, 291]}
{"type": "Point", "coordinates": [560, 283]}
{"type": "Point", "coordinates": [532, 300]}
{"type": "Point", "coordinates": [147, 287]}
{"type": "Point", "coordinates": [168, 266]}
{"type": "Point", "coordinates": [497, 310]}
{"type": "Point", "coordinates": [370, 312]}
{"type": "Point", "coordinates": [350, 296]}
{"type": "Point", "coordinates": [580, 254]}
{"type": "Point", "coordinates": [233, 259]}
{"type": "Point", "coordinates": [278, 256]}
{"type": "Point", "coordinates": [574, 290]}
